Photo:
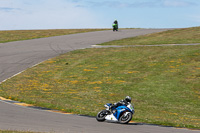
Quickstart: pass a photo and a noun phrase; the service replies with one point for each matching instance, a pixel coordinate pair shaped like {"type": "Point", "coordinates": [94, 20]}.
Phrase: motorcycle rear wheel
{"type": "Point", "coordinates": [125, 119]}
{"type": "Point", "coordinates": [101, 115]}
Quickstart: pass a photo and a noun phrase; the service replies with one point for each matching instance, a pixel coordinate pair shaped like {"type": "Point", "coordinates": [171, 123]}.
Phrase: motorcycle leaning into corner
{"type": "Point", "coordinates": [122, 114]}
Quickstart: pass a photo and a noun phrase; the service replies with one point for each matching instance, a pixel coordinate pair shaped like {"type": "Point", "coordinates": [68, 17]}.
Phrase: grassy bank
{"type": "Point", "coordinates": [177, 36]}
{"type": "Point", "coordinates": [9, 131]}
{"type": "Point", "coordinates": [163, 82]}
{"type": "Point", "coordinates": [8, 36]}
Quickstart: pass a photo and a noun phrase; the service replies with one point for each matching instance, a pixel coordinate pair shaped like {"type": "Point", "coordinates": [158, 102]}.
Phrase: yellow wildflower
{"type": "Point", "coordinates": [95, 67]}
{"type": "Point", "coordinates": [88, 70]}
{"type": "Point", "coordinates": [172, 66]}
{"type": "Point", "coordinates": [133, 72]}
{"type": "Point", "coordinates": [74, 82]}
{"type": "Point", "coordinates": [95, 82]}
{"type": "Point", "coordinates": [96, 87]}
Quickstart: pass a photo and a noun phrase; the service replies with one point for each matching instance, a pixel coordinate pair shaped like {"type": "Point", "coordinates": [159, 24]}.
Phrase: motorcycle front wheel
{"type": "Point", "coordinates": [125, 118]}
{"type": "Point", "coordinates": [101, 115]}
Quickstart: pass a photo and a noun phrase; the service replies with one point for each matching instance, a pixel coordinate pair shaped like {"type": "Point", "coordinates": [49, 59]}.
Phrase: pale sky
{"type": "Point", "coordinates": [70, 14]}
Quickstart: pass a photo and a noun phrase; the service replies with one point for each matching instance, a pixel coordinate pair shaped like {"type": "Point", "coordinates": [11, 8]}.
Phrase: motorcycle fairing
{"type": "Point", "coordinates": [111, 117]}
{"type": "Point", "coordinates": [120, 110]}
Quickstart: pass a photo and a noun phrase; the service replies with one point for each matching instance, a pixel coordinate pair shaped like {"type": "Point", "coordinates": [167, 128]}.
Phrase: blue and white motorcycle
{"type": "Point", "coordinates": [122, 114]}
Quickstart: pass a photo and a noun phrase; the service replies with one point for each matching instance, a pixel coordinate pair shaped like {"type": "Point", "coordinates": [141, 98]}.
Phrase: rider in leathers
{"type": "Point", "coordinates": [116, 23]}
{"type": "Point", "coordinates": [125, 102]}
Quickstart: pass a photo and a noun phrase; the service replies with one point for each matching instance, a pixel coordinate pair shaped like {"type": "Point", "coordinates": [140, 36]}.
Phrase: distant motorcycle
{"type": "Point", "coordinates": [122, 114]}
{"type": "Point", "coordinates": [115, 27]}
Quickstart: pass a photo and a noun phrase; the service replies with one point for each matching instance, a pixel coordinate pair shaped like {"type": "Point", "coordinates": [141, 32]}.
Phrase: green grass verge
{"type": "Point", "coordinates": [9, 131]}
{"type": "Point", "coordinates": [177, 36]}
{"type": "Point", "coordinates": [8, 36]}
{"type": "Point", "coordinates": [163, 82]}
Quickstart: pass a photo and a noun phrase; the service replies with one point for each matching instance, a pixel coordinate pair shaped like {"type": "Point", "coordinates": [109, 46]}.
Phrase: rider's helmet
{"type": "Point", "coordinates": [128, 99]}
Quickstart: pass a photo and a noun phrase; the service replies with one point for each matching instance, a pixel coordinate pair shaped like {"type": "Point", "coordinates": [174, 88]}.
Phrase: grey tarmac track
{"type": "Point", "coordinates": [20, 55]}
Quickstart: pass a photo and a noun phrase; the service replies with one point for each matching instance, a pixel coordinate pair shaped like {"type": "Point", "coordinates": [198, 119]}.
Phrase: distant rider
{"type": "Point", "coordinates": [116, 23]}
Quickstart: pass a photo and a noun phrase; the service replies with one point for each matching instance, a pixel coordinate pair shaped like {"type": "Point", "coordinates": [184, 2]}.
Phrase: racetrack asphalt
{"type": "Point", "coordinates": [17, 56]}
